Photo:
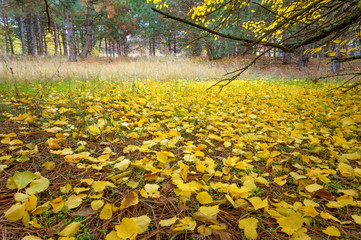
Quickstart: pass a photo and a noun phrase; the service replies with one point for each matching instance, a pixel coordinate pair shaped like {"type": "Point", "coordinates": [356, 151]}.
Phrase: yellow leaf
{"type": "Point", "coordinates": [151, 190]}
{"type": "Point", "coordinates": [186, 224]}
{"type": "Point", "coordinates": [15, 212]}
{"type": "Point", "coordinates": [97, 204]}
{"type": "Point", "coordinates": [209, 211]}
{"type": "Point", "coordinates": [66, 188]}
{"type": "Point", "coordinates": [53, 143]}
{"type": "Point", "coordinates": [132, 184]}
{"type": "Point", "coordinates": [281, 180]}
{"type": "Point", "coordinates": [112, 236]}
{"type": "Point", "coordinates": [204, 198]}
{"type": "Point", "coordinates": [300, 235]}
{"type": "Point", "coordinates": [107, 212]}
{"type": "Point", "coordinates": [345, 170]}
{"type": "Point", "coordinates": [310, 210]}
{"type": "Point", "coordinates": [313, 187]}
{"type": "Point", "coordinates": [94, 130]}
{"type": "Point", "coordinates": [30, 205]}
{"type": "Point", "coordinates": [22, 179]}
{"type": "Point", "coordinates": [38, 185]}
{"type": "Point", "coordinates": [130, 200]}
{"type": "Point", "coordinates": [127, 229]}
{"type": "Point", "coordinates": [101, 185]}
{"type": "Point", "coordinates": [74, 202]}
{"type": "Point", "coordinates": [31, 237]}
{"type": "Point", "coordinates": [291, 223]}
{"type": "Point", "coordinates": [168, 222]}
{"type": "Point", "coordinates": [258, 203]}
{"type": "Point", "coordinates": [332, 231]}
{"type": "Point", "coordinates": [357, 219]}
{"type": "Point", "coordinates": [123, 165]}
{"type": "Point", "coordinates": [49, 165]}
{"type": "Point", "coordinates": [250, 227]}
{"type": "Point", "coordinates": [142, 223]}
{"type": "Point", "coordinates": [70, 230]}
{"type": "Point", "coordinates": [57, 204]}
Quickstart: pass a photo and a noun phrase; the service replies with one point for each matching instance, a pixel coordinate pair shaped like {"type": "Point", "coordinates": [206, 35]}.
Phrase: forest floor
{"type": "Point", "coordinates": [93, 156]}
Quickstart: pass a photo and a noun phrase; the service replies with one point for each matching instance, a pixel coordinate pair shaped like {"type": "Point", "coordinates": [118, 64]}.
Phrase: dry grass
{"type": "Point", "coordinates": [161, 68]}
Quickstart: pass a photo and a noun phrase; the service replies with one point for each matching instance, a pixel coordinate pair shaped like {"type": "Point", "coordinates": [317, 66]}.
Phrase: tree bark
{"type": "Point", "coordinates": [22, 35]}
{"type": "Point", "coordinates": [40, 38]}
{"type": "Point", "coordinates": [64, 40]}
{"type": "Point", "coordinates": [336, 65]}
{"type": "Point", "coordinates": [31, 35]}
{"type": "Point", "coordinates": [71, 43]}
{"type": "Point", "coordinates": [106, 47]}
{"type": "Point", "coordinates": [6, 32]}
{"type": "Point", "coordinates": [55, 39]}
{"type": "Point", "coordinates": [45, 43]}
{"type": "Point", "coordinates": [175, 44]}
{"type": "Point", "coordinates": [89, 30]}
{"type": "Point", "coordinates": [153, 43]}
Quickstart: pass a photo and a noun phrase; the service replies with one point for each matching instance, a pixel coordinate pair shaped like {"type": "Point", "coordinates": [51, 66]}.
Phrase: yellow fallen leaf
{"type": "Point", "coordinates": [30, 205]}
{"type": "Point", "coordinates": [101, 185]}
{"type": "Point", "coordinates": [130, 199]}
{"type": "Point", "coordinates": [281, 180]}
{"type": "Point", "coordinates": [168, 222]}
{"type": "Point", "coordinates": [38, 185]}
{"type": "Point", "coordinates": [107, 212]}
{"type": "Point", "coordinates": [112, 236]}
{"type": "Point", "coordinates": [313, 187]}
{"type": "Point", "coordinates": [332, 231]}
{"type": "Point", "coordinates": [73, 202]}
{"type": "Point", "coordinates": [127, 229]}
{"type": "Point", "coordinates": [70, 230]}
{"type": "Point", "coordinates": [97, 204]}
{"type": "Point", "coordinates": [94, 130]}
{"type": "Point", "coordinates": [31, 237]}
{"type": "Point", "coordinates": [300, 235]}
{"type": "Point", "coordinates": [49, 165]}
{"type": "Point", "coordinates": [291, 223]}
{"type": "Point", "coordinates": [204, 198]}
{"type": "Point", "coordinates": [258, 203]}
{"type": "Point", "coordinates": [142, 223]}
{"type": "Point", "coordinates": [186, 224]}
{"type": "Point", "coordinates": [66, 188]}
{"type": "Point", "coordinates": [357, 219]}
{"type": "Point", "coordinates": [204, 230]}
{"type": "Point", "coordinates": [310, 210]}
{"type": "Point", "coordinates": [123, 165]}
{"type": "Point", "coordinates": [132, 184]}
{"type": "Point", "coordinates": [22, 179]}
{"type": "Point", "coordinates": [15, 212]}
{"type": "Point", "coordinates": [209, 211]}
{"type": "Point", "coordinates": [250, 227]}
{"type": "Point", "coordinates": [345, 170]}
{"type": "Point", "coordinates": [57, 204]}
{"type": "Point", "coordinates": [53, 143]}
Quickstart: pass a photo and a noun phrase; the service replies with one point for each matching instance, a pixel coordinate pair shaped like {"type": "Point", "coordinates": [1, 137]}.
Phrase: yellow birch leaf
{"type": "Point", "coordinates": [74, 202]}
{"type": "Point", "coordinates": [127, 229]}
{"type": "Point", "coordinates": [309, 210]}
{"type": "Point", "coordinates": [130, 200]}
{"type": "Point", "coordinates": [357, 219]}
{"type": "Point", "coordinates": [107, 212]}
{"type": "Point", "coordinates": [70, 230]}
{"type": "Point", "coordinates": [97, 204]}
{"type": "Point", "coordinates": [112, 236]}
{"type": "Point", "coordinates": [94, 130]}
{"type": "Point", "coordinates": [31, 237]}
{"type": "Point", "coordinates": [280, 180]}
{"type": "Point", "coordinates": [313, 187]}
{"type": "Point", "coordinates": [258, 203]}
{"type": "Point", "coordinates": [209, 211]}
{"type": "Point", "coordinates": [30, 205]}
{"type": "Point", "coordinates": [204, 198]}
{"type": "Point", "coordinates": [250, 227]}
{"type": "Point", "coordinates": [49, 165]}
{"type": "Point", "coordinates": [53, 143]}
{"type": "Point", "coordinates": [38, 185]}
{"type": "Point", "coordinates": [186, 224]}
{"type": "Point", "coordinates": [132, 184]}
{"type": "Point", "coordinates": [345, 170]}
{"type": "Point", "coordinates": [57, 204]}
{"type": "Point", "coordinates": [22, 179]}
{"type": "Point", "coordinates": [142, 223]}
{"type": "Point", "coordinates": [168, 222]}
{"type": "Point", "coordinates": [332, 231]}
{"type": "Point", "coordinates": [101, 185]}
{"type": "Point", "coordinates": [15, 212]}
{"type": "Point", "coordinates": [300, 235]}
{"type": "Point", "coordinates": [291, 223]}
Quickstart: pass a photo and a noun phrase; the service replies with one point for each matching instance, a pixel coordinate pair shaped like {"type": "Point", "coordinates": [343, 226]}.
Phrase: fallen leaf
{"type": "Point", "coordinates": [168, 222]}
{"type": "Point", "coordinates": [204, 198]}
{"type": "Point", "coordinates": [94, 130]}
{"type": "Point", "coordinates": [127, 229]}
{"type": "Point", "coordinates": [15, 212]}
{"type": "Point", "coordinates": [250, 227]}
{"type": "Point", "coordinates": [70, 230]}
{"type": "Point", "coordinates": [291, 223]}
{"type": "Point", "coordinates": [130, 199]}
{"type": "Point", "coordinates": [22, 179]}
{"type": "Point", "coordinates": [332, 231]}
{"type": "Point", "coordinates": [142, 223]}
{"type": "Point", "coordinates": [107, 212]}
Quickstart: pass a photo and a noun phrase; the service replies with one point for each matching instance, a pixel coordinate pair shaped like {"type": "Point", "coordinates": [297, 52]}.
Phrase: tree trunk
{"type": "Point", "coordinates": [31, 35]}
{"type": "Point", "coordinates": [336, 65]}
{"type": "Point", "coordinates": [70, 28]}
{"type": "Point", "coordinates": [106, 47]}
{"type": "Point", "coordinates": [55, 39]}
{"type": "Point", "coordinates": [6, 32]}
{"type": "Point", "coordinates": [153, 43]}
{"type": "Point", "coordinates": [286, 58]}
{"type": "Point", "coordinates": [64, 40]}
{"type": "Point", "coordinates": [89, 30]}
{"type": "Point", "coordinates": [45, 43]}
{"type": "Point", "coordinates": [22, 35]}
{"type": "Point", "coordinates": [40, 38]}
{"type": "Point", "coordinates": [113, 48]}
{"type": "Point", "coordinates": [175, 44]}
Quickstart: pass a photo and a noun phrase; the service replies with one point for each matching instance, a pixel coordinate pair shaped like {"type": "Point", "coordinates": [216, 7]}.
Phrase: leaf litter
{"type": "Point", "coordinates": [171, 160]}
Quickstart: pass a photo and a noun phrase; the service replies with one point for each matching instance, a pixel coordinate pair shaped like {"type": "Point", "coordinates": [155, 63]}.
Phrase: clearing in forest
{"type": "Point", "coordinates": [171, 160]}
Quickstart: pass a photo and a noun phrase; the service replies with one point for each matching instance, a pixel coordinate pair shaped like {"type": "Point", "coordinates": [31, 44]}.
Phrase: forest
{"type": "Point", "coordinates": [189, 119]}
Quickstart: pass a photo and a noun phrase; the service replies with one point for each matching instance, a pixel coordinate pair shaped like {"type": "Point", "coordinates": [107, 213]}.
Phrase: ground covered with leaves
{"type": "Point", "coordinates": [171, 160]}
